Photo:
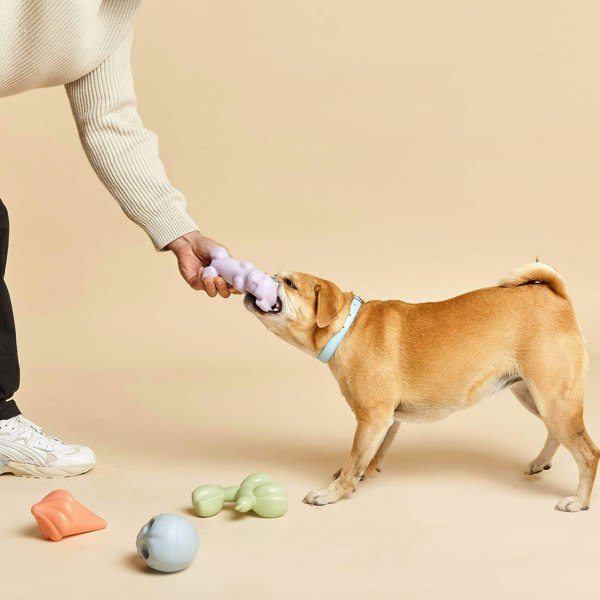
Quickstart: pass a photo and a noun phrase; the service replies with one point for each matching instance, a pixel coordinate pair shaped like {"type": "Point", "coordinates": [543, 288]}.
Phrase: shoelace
{"type": "Point", "coordinates": [35, 434]}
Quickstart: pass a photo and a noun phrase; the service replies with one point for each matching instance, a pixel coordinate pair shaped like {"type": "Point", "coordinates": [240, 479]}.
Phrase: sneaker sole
{"type": "Point", "coordinates": [40, 472]}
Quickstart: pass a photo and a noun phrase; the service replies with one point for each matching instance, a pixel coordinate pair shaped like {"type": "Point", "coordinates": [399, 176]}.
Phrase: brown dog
{"type": "Point", "coordinates": [421, 362]}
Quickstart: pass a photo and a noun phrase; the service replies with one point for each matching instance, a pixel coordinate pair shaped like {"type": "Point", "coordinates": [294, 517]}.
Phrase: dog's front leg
{"type": "Point", "coordinates": [370, 432]}
{"type": "Point", "coordinates": [377, 462]}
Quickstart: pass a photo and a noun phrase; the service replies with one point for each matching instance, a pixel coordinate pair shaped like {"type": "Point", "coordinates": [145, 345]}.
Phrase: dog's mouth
{"type": "Point", "coordinates": [250, 301]}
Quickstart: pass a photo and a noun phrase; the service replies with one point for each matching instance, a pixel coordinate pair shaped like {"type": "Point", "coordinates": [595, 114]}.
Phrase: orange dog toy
{"type": "Point", "coordinates": [58, 515]}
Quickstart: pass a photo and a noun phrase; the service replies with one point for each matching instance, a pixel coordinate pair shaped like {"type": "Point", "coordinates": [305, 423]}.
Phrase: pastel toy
{"type": "Point", "coordinates": [208, 500]}
{"type": "Point", "coordinates": [59, 515]}
{"type": "Point", "coordinates": [258, 492]}
{"type": "Point", "coordinates": [243, 276]}
{"type": "Point", "coordinates": [167, 543]}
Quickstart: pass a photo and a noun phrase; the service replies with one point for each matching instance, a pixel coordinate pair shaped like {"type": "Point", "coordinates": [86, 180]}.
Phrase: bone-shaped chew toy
{"type": "Point", "coordinates": [258, 492]}
{"type": "Point", "coordinates": [243, 276]}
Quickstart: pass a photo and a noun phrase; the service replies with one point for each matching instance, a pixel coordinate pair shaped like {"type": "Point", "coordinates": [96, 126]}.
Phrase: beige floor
{"type": "Point", "coordinates": [452, 515]}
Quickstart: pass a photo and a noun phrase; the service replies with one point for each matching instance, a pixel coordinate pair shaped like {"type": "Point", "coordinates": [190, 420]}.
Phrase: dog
{"type": "Point", "coordinates": [398, 362]}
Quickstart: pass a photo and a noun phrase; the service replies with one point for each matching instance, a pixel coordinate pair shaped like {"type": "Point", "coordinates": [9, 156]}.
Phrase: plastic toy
{"type": "Point", "coordinates": [258, 492]}
{"type": "Point", "coordinates": [167, 543]}
{"type": "Point", "coordinates": [243, 276]}
{"type": "Point", "coordinates": [58, 515]}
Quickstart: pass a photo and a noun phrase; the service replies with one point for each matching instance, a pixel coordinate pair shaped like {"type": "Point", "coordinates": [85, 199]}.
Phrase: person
{"type": "Point", "coordinates": [86, 46]}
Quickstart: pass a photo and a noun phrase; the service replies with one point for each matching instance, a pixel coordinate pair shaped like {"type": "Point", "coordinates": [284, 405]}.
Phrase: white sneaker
{"type": "Point", "coordinates": [25, 450]}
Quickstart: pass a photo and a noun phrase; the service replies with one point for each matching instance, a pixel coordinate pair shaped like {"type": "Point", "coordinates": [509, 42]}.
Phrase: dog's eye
{"type": "Point", "coordinates": [291, 284]}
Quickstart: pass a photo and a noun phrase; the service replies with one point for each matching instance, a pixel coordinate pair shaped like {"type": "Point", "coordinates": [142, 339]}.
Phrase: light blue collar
{"type": "Point", "coordinates": [332, 345]}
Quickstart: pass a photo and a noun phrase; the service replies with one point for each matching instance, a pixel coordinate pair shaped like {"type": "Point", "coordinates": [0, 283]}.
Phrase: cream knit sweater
{"type": "Point", "coordinates": [85, 45]}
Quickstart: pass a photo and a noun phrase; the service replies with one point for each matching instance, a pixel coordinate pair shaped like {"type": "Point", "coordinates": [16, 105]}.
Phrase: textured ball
{"type": "Point", "coordinates": [167, 543]}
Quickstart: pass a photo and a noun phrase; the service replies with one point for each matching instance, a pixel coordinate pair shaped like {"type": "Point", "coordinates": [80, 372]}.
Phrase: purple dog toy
{"type": "Point", "coordinates": [243, 276]}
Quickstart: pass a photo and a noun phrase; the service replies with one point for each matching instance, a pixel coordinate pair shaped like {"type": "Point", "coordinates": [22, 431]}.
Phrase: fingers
{"type": "Point", "coordinates": [214, 286]}
{"type": "Point", "coordinates": [210, 286]}
{"type": "Point", "coordinates": [192, 270]}
{"type": "Point", "coordinates": [222, 287]}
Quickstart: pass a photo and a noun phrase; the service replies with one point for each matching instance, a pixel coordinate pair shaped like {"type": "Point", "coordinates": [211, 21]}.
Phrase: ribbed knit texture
{"type": "Point", "coordinates": [85, 45]}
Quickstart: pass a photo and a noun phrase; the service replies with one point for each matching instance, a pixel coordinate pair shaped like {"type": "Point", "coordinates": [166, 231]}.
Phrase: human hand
{"type": "Point", "coordinates": [193, 254]}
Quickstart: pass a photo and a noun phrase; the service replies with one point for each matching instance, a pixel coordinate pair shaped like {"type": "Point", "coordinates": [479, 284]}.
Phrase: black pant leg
{"type": "Point", "coordinates": [9, 362]}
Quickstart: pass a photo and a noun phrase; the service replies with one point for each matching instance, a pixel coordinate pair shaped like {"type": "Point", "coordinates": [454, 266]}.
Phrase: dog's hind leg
{"type": "Point", "coordinates": [561, 407]}
{"type": "Point", "coordinates": [543, 461]}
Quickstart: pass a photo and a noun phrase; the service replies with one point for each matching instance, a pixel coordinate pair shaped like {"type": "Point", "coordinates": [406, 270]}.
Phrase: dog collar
{"type": "Point", "coordinates": [332, 345]}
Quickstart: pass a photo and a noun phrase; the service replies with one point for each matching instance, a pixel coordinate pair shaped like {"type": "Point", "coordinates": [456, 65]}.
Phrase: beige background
{"type": "Point", "coordinates": [403, 150]}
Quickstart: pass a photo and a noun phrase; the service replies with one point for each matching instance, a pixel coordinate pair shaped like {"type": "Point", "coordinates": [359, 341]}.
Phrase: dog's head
{"type": "Point", "coordinates": [307, 309]}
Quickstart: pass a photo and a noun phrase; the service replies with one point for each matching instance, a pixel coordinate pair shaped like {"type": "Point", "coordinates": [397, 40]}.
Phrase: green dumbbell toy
{"type": "Point", "coordinates": [258, 492]}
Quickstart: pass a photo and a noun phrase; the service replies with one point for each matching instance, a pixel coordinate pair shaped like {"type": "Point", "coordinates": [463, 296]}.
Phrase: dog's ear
{"type": "Point", "coordinates": [329, 300]}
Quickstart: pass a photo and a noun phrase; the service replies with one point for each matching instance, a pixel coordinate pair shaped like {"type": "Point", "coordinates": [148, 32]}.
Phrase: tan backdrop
{"type": "Point", "coordinates": [402, 151]}
{"type": "Point", "coordinates": [408, 150]}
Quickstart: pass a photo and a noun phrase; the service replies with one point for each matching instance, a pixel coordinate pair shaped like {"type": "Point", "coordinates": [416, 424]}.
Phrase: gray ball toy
{"type": "Point", "coordinates": [167, 543]}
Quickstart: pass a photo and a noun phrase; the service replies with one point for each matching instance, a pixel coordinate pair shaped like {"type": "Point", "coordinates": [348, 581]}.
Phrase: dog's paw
{"type": "Point", "coordinates": [570, 504]}
{"type": "Point", "coordinates": [337, 474]}
{"type": "Point", "coordinates": [537, 466]}
{"type": "Point", "coordinates": [321, 497]}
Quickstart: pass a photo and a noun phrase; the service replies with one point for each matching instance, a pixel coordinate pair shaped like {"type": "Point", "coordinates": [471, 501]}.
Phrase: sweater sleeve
{"type": "Point", "coordinates": [122, 152]}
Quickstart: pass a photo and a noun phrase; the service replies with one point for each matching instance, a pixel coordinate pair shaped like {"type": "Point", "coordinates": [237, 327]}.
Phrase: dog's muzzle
{"type": "Point", "coordinates": [250, 302]}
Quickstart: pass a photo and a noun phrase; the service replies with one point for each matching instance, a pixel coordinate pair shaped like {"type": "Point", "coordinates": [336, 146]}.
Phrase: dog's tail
{"type": "Point", "coordinates": [536, 272]}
